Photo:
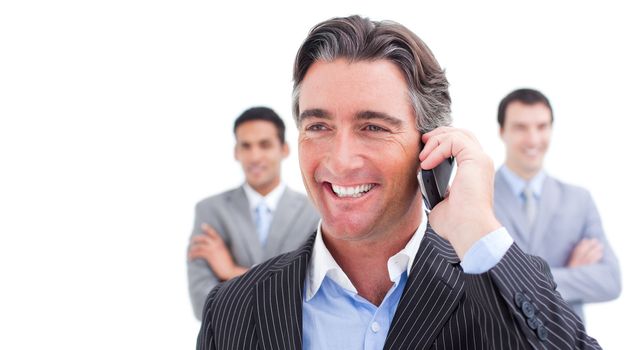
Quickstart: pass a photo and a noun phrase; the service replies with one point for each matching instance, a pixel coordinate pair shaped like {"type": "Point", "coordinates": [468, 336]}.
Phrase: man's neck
{"type": "Point", "coordinates": [365, 261]}
{"type": "Point", "coordinates": [524, 174]}
{"type": "Point", "coordinates": [267, 188]}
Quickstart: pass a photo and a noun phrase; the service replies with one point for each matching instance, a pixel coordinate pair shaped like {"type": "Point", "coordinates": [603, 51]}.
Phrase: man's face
{"type": "Point", "coordinates": [526, 134]}
{"type": "Point", "coordinates": [359, 148]}
{"type": "Point", "coordinates": [260, 152]}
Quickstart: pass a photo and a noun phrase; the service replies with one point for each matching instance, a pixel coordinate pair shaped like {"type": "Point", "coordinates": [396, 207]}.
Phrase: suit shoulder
{"type": "Point", "coordinates": [299, 199]}
{"type": "Point", "coordinates": [295, 195]}
{"type": "Point", "coordinates": [218, 198]}
{"type": "Point", "coordinates": [570, 189]}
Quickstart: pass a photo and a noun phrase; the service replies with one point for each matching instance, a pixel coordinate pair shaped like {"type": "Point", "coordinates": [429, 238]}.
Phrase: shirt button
{"type": "Point", "coordinates": [375, 327]}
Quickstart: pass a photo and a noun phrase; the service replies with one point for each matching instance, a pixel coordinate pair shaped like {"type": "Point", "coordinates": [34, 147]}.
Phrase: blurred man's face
{"type": "Point", "coordinates": [359, 148]}
{"type": "Point", "coordinates": [260, 152]}
{"type": "Point", "coordinates": [526, 135]}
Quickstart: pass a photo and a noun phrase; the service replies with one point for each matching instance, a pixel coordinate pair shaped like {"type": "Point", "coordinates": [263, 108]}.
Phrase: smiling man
{"type": "Point", "coordinates": [245, 226]}
{"type": "Point", "coordinates": [380, 272]}
{"type": "Point", "coordinates": [547, 217]}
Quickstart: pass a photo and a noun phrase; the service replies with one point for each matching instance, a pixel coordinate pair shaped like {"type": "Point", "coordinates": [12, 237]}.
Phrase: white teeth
{"type": "Point", "coordinates": [356, 191]}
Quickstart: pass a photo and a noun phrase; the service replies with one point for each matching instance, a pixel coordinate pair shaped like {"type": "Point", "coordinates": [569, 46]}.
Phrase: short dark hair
{"type": "Point", "coordinates": [525, 96]}
{"type": "Point", "coordinates": [262, 113]}
{"type": "Point", "coordinates": [358, 39]}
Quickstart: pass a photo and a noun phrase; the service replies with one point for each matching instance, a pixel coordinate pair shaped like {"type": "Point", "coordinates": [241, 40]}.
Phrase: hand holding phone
{"type": "Point", "coordinates": [434, 182]}
{"type": "Point", "coordinates": [466, 215]}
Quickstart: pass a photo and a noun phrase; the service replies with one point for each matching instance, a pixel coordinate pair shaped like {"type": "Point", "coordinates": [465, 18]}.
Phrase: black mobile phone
{"type": "Point", "coordinates": [434, 182]}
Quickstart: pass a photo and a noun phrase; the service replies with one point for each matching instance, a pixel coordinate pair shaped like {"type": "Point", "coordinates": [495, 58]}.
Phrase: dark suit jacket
{"type": "Point", "coordinates": [512, 306]}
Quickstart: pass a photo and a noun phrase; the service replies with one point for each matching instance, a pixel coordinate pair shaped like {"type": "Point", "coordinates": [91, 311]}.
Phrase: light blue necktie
{"type": "Point", "coordinates": [530, 206]}
{"type": "Point", "coordinates": [263, 221]}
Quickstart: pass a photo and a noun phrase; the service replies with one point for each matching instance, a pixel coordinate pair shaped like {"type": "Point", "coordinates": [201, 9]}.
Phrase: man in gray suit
{"type": "Point", "coordinates": [262, 218]}
{"type": "Point", "coordinates": [546, 217]}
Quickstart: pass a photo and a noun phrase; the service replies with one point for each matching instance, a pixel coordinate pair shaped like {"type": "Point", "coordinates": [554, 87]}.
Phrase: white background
{"type": "Point", "coordinates": [116, 117]}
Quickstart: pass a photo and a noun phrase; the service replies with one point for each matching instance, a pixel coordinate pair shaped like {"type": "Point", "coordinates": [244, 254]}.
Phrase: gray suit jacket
{"type": "Point", "coordinates": [566, 214]}
{"type": "Point", "coordinates": [293, 221]}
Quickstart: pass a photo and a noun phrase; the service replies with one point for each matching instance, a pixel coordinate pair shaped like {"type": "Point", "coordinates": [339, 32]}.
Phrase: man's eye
{"type": "Point", "coordinates": [372, 127]}
{"type": "Point", "coordinates": [315, 127]}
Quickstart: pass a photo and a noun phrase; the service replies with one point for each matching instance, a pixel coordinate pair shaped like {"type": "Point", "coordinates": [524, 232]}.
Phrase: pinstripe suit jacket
{"type": "Point", "coordinates": [512, 306]}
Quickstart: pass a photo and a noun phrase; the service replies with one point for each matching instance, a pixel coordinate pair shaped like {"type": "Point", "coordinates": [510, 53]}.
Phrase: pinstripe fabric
{"type": "Point", "coordinates": [441, 308]}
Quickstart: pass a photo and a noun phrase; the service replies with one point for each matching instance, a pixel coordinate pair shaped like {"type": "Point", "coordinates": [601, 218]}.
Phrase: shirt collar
{"type": "Point", "coordinates": [271, 199]}
{"type": "Point", "coordinates": [517, 184]}
{"type": "Point", "coordinates": [322, 263]}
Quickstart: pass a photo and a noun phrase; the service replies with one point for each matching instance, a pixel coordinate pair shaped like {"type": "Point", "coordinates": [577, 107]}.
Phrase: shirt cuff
{"type": "Point", "coordinates": [487, 252]}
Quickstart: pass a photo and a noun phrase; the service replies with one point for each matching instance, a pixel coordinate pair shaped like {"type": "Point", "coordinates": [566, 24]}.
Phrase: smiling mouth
{"type": "Point", "coordinates": [255, 169]}
{"type": "Point", "coordinates": [531, 152]}
{"type": "Point", "coordinates": [351, 191]}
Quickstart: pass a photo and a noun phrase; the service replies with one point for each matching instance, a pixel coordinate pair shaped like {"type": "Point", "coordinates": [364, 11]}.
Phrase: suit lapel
{"type": "Point", "coordinates": [548, 207]}
{"type": "Point", "coordinates": [285, 212]}
{"type": "Point", "coordinates": [432, 293]}
{"type": "Point", "coordinates": [510, 206]}
{"type": "Point", "coordinates": [279, 301]}
{"type": "Point", "coordinates": [240, 215]}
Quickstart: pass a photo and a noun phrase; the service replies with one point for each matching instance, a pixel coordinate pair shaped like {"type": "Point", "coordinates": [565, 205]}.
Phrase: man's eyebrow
{"type": "Point", "coordinates": [368, 115]}
{"type": "Point", "coordinates": [314, 113]}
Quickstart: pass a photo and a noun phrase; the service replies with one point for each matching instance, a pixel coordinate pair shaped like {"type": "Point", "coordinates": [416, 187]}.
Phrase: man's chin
{"type": "Point", "coordinates": [258, 179]}
{"type": "Point", "coordinates": [347, 228]}
{"type": "Point", "coordinates": [533, 167]}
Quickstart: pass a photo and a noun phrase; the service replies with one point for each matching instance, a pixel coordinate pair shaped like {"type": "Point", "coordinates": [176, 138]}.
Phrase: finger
{"type": "Point", "coordinates": [429, 145]}
{"type": "Point", "coordinates": [198, 252]}
{"type": "Point", "coordinates": [200, 239]}
{"type": "Point", "coordinates": [448, 144]}
{"type": "Point", "coordinates": [438, 131]}
{"type": "Point", "coordinates": [437, 150]}
{"type": "Point", "coordinates": [597, 256]}
{"type": "Point", "coordinates": [590, 244]}
{"type": "Point", "coordinates": [445, 130]}
{"type": "Point", "coordinates": [582, 247]}
{"type": "Point", "coordinates": [433, 139]}
{"type": "Point", "coordinates": [578, 253]}
{"type": "Point", "coordinates": [209, 230]}
{"type": "Point", "coordinates": [595, 253]}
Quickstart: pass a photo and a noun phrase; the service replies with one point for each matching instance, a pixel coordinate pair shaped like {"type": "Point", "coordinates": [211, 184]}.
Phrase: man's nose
{"type": "Point", "coordinates": [533, 136]}
{"type": "Point", "coordinates": [345, 153]}
{"type": "Point", "coordinates": [256, 153]}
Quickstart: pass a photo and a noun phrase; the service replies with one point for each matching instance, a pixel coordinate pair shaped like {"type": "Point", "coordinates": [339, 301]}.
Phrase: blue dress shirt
{"type": "Point", "coordinates": [336, 317]}
{"type": "Point", "coordinates": [517, 184]}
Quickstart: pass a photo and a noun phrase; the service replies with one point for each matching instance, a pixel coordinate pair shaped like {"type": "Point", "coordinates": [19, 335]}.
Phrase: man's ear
{"type": "Point", "coordinates": [421, 147]}
{"type": "Point", "coordinates": [285, 150]}
{"type": "Point", "coordinates": [501, 131]}
{"type": "Point", "coordinates": [236, 153]}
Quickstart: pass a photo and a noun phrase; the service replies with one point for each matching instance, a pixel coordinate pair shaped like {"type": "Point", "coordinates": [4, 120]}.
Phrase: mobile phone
{"type": "Point", "coordinates": [435, 182]}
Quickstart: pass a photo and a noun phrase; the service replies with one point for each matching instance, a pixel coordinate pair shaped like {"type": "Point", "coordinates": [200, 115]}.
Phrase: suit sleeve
{"type": "Point", "coordinates": [205, 340]}
{"type": "Point", "coordinates": [519, 299]}
{"type": "Point", "coordinates": [201, 279]}
{"type": "Point", "coordinates": [591, 283]}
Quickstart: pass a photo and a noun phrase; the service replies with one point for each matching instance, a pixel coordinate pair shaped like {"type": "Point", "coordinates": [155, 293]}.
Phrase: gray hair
{"type": "Point", "coordinates": [359, 39]}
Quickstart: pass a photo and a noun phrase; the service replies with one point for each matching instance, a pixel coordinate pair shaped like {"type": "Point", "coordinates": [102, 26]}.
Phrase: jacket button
{"type": "Point", "coordinates": [534, 323]}
{"type": "Point", "coordinates": [531, 322]}
{"type": "Point", "coordinates": [519, 298]}
{"type": "Point", "coordinates": [528, 309]}
{"type": "Point", "coordinates": [542, 333]}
